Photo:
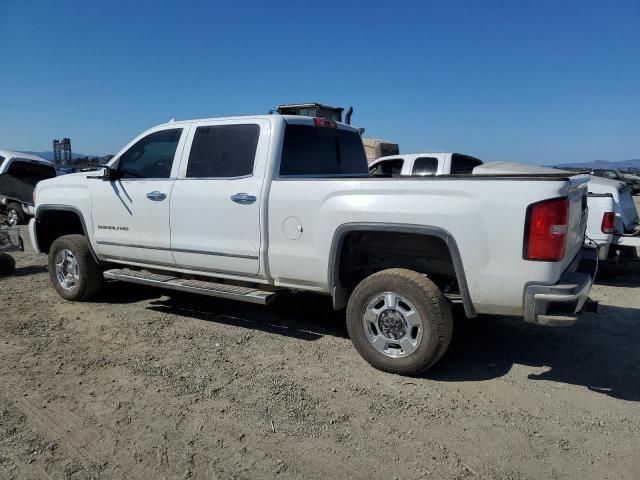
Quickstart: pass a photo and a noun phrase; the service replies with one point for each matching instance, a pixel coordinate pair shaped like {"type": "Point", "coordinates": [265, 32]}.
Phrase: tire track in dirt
{"type": "Point", "coordinates": [74, 438]}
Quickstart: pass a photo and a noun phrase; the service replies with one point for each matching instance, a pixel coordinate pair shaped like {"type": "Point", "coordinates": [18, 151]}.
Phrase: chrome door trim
{"type": "Point", "coordinates": [178, 250]}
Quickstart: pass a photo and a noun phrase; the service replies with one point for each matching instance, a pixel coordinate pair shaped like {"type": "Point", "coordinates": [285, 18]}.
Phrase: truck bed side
{"type": "Point", "coordinates": [484, 217]}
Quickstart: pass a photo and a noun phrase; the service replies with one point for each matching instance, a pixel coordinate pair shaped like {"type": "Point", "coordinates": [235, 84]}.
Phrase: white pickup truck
{"type": "Point", "coordinates": [244, 207]}
{"type": "Point", "coordinates": [423, 164]}
{"type": "Point", "coordinates": [613, 223]}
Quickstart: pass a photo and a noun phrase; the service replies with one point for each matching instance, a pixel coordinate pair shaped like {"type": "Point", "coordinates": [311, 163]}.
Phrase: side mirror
{"type": "Point", "coordinates": [105, 173]}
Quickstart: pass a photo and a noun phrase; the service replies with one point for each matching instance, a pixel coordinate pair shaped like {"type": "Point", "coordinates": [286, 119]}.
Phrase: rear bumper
{"type": "Point", "coordinates": [627, 241]}
{"type": "Point", "coordinates": [561, 304]}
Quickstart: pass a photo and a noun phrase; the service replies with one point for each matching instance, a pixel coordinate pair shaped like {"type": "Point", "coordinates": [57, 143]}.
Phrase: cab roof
{"type": "Point", "coordinates": [290, 119]}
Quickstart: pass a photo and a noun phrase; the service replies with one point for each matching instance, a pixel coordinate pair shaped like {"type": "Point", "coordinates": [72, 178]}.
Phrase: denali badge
{"type": "Point", "coordinates": [112, 227]}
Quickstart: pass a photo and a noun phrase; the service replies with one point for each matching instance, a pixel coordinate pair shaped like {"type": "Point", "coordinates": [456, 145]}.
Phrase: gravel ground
{"type": "Point", "coordinates": [139, 384]}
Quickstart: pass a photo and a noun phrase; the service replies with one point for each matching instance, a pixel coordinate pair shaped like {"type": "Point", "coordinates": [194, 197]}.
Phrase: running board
{"type": "Point", "coordinates": [212, 289]}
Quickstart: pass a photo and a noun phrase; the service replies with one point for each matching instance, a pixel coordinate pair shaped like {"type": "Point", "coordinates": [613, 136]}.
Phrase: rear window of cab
{"type": "Point", "coordinates": [322, 152]}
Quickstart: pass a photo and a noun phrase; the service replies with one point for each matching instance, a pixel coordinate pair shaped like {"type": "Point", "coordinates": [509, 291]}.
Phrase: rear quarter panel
{"type": "Point", "coordinates": [484, 217]}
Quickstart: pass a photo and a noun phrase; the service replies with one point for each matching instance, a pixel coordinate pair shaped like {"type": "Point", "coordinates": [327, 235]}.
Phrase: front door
{"type": "Point", "coordinates": [216, 199]}
{"type": "Point", "coordinates": [131, 214]}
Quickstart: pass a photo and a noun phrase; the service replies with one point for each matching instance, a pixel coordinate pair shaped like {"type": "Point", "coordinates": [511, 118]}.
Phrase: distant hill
{"type": "Point", "coordinates": [620, 165]}
{"type": "Point", "coordinates": [49, 155]}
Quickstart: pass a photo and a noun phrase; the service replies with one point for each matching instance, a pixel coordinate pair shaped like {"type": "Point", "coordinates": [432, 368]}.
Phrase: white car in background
{"type": "Point", "coordinates": [613, 222]}
{"type": "Point", "coordinates": [422, 164]}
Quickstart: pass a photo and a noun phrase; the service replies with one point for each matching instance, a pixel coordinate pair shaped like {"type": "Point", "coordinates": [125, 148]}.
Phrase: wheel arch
{"type": "Point", "coordinates": [54, 221]}
{"type": "Point", "coordinates": [338, 292]}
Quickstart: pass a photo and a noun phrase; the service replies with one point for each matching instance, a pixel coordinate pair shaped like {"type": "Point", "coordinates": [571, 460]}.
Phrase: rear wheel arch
{"type": "Point", "coordinates": [340, 292]}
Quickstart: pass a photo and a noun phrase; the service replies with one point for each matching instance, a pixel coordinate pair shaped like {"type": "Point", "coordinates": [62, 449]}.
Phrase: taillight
{"type": "Point", "coordinates": [324, 122]}
{"type": "Point", "coordinates": [546, 230]}
{"type": "Point", "coordinates": [608, 222]}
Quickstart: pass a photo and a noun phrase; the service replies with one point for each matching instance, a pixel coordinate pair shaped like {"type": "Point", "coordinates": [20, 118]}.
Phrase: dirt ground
{"type": "Point", "coordinates": [139, 384]}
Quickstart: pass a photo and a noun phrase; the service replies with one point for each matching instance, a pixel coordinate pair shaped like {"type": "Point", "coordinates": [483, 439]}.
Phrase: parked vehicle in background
{"type": "Point", "coordinates": [423, 164]}
{"type": "Point", "coordinates": [613, 223]}
{"type": "Point", "coordinates": [244, 207]}
{"type": "Point", "coordinates": [10, 241]}
{"type": "Point", "coordinates": [66, 170]}
{"type": "Point", "coordinates": [632, 180]}
{"type": "Point", "coordinates": [19, 174]}
{"type": "Point", "coordinates": [376, 147]}
{"type": "Point", "coordinates": [373, 147]}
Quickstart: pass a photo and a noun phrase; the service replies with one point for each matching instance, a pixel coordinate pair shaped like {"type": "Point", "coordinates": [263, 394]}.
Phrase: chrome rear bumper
{"type": "Point", "coordinates": [562, 304]}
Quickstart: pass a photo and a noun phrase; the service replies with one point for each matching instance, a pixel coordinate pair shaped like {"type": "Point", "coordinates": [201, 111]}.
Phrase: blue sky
{"type": "Point", "coordinates": [532, 81]}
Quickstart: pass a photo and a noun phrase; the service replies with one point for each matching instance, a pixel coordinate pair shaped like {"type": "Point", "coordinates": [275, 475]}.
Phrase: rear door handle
{"type": "Point", "coordinates": [156, 196]}
{"type": "Point", "coordinates": [243, 198]}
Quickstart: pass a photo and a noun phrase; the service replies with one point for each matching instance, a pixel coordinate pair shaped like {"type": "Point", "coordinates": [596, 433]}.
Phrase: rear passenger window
{"type": "Point", "coordinates": [463, 164]}
{"type": "Point", "coordinates": [223, 151]}
{"type": "Point", "coordinates": [425, 166]}
{"type": "Point", "coordinates": [320, 151]}
{"type": "Point", "coordinates": [387, 168]}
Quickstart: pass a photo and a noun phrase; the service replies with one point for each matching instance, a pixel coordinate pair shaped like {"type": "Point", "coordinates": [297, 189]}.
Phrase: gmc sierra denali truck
{"type": "Point", "coordinates": [243, 207]}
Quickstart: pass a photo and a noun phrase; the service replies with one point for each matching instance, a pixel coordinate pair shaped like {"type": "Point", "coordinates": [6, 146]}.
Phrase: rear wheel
{"type": "Point", "coordinates": [74, 273]}
{"type": "Point", "coordinates": [399, 321]}
{"type": "Point", "coordinates": [15, 214]}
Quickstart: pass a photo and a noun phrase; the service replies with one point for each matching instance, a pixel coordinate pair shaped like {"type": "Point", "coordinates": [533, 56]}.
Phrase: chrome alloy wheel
{"type": "Point", "coordinates": [12, 217]}
{"type": "Point", "coordinates": [392, 325]}
{"type": "Point", "coordinates": [67, 269]}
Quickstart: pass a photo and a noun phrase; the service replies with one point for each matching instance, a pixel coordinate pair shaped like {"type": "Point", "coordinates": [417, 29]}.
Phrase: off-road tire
{"type": "Point", "coordinates": [90, 274]}
{"type": "Point", "coordinates": [19, 212]}
{"type": "Point", "coordinates": [7, 264]}
{"type": "Point", "coordinates": [427, 299]}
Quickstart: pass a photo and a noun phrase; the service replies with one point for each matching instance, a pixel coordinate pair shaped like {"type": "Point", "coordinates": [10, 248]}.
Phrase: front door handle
{"type": "Point", "coordinates": [243, 198]}
{"type": "Point", "coordinates": [156, 196]}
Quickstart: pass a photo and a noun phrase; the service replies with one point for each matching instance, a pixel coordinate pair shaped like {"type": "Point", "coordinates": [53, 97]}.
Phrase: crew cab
{"type": "Point", "coordinates": [244, 207]}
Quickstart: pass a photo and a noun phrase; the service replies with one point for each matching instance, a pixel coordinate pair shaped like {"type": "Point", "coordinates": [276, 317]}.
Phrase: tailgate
{"type": "Point", "coordinates": [628, 210]}
{"type": "Point", "coordinates": [577, 218]}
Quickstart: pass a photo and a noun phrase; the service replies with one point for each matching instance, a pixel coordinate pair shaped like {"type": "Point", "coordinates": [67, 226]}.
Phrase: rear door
{"type": "Point", "coordinates": [216, 200]}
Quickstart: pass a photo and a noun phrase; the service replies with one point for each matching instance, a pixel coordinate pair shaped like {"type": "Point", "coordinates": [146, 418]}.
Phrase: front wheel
{"type": "Point", "coordinates": [74, 273]}
{"type": "Point", "coordinates": [399, 321]}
